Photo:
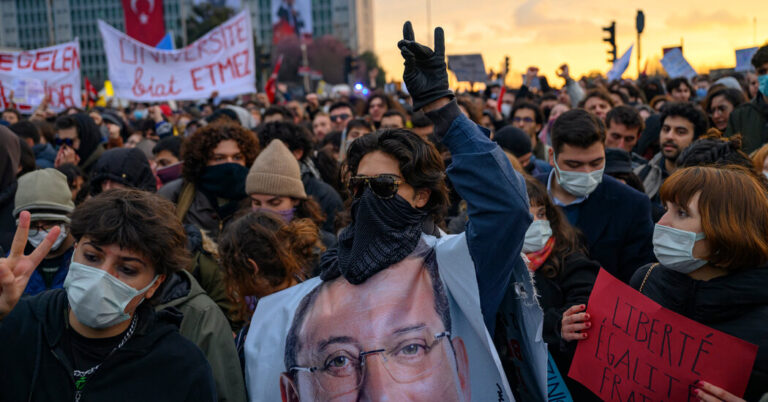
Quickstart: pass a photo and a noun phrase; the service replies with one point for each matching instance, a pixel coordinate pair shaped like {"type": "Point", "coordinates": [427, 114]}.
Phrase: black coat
{"type": "Point", "coordinates": [736, 304]}
{"type": "Point", "coordinates": [616, 221]}
{"type": "Point", "coordinates": [156, 364]}
{"type": "Point", "coordinates": [325, 195]}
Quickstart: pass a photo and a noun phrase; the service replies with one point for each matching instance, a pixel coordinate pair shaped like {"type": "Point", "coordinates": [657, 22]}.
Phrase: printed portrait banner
{"type": "Point", "coordinates": [676, 65]}
{"type": "Point", "coordinates": [291, 18]}
{"type": "Point", "coordinates": [413, 331]}
{"type": "Point", "coordinates": [27, 77]}
{"type": "Point", "coordinates": [638, 350]}
{"type": "Point", "coordinates": [222, 61]}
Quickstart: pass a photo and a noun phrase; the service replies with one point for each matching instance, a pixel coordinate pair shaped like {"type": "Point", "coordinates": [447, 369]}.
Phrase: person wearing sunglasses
{"type": "Point", "coordinates": [78, 141]}
{"type": "Point", "coordinates": [341, 113]}
{"type": "Point", "coordinates": [398, 187]}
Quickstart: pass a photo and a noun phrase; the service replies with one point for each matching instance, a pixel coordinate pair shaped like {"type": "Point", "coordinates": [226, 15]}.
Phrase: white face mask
{"type": "Point", "coordinates": [674, 248]}
{"type": "Point", "coordinates": [578, 184]}
{"type": "Point", "coordinates": [537, 236]}
{"type": "Point", "coordinates": [38, 238]}
{"type": "Point", "coordinates": [97, 298]}
{"type": "Point", "coordinates": [506, 110]}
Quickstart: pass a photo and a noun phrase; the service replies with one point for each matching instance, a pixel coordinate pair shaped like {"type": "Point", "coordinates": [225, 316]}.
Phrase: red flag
{"type": "Point", "coordinates": [271, 87]}
{"type": "Point", "coordinates": [500, 99]}
{"type": "Point", "coordinates": [144, 20]}
{"type": "Point", "coordinates": [90, 90]}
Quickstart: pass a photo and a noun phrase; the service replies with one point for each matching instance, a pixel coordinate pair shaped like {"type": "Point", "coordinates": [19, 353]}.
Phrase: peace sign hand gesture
{"type": "Point", "coordinates": [17, 268]}
{"type": "Point", "coordinates": [425, 75]}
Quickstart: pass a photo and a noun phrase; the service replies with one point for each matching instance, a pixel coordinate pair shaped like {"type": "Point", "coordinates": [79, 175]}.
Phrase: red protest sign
{"type": "Point", "coordinates": [640, 351]}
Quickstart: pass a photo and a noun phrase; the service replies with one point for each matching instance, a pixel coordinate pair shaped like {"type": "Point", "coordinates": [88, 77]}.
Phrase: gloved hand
{"type": "Point", "coordinates": [425, 75]}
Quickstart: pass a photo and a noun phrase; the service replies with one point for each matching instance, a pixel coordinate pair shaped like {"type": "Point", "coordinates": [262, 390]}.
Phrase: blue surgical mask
{"type": "Point", "coordinates": [97, 298]}
{"type": "Point", "coordinates": [762, 80]}
{"type": "Point", "coordinates": [537, 236]}
{"type": "Point", "coordinates": [701, 93]}
{"type": "Point", "coordinates": [674, 248]}
{"type": "Point", "coordinates": [578, 184]}
{"type": "Point", "coordinates": [139, 114]}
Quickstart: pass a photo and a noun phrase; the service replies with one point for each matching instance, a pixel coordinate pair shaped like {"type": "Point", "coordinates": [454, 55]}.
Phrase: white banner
{"type": "Point", "coordinates": [27, 76]}
{"type": "Point", "coordinates": [620, 65]}
{"type": "Point", "coordinates": [676, 65]}
{"type": "Point", "coordinates": [222, 61]}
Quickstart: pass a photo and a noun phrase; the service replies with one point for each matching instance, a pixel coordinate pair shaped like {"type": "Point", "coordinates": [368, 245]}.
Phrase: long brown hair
{"type": "Point", "coordinates": [283, 252]}
{"type": "Point", "coordinates": [734, 212]}
{"type": "Point", "coordinates": [567, 238]}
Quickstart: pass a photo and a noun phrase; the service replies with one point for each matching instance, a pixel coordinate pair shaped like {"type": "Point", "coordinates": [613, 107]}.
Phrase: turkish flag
{"type": "Point", "coordinates": [144, 20]}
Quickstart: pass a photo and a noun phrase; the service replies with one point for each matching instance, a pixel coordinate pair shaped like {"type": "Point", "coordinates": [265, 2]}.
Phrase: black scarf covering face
{"type": "Point", "coordinates": [382, 233]}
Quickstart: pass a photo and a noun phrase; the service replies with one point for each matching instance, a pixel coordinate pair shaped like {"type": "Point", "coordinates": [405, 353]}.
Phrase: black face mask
{"type": "Point", "coordinates": [382, 233]}
{"type": "Point", "coordinates": [224, 181]}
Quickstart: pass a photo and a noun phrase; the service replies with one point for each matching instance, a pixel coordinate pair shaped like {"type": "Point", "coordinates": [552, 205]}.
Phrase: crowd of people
{"type": "Point", "coordinates": [139, 241]}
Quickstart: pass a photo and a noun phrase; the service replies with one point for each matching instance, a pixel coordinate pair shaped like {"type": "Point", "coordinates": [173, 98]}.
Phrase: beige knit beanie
{"type": "Point", "coordinates": [276, 172]}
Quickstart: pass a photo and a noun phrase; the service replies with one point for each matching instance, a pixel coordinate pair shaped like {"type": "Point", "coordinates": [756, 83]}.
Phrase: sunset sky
{"type": "Point", "coordinates": [547, 33]}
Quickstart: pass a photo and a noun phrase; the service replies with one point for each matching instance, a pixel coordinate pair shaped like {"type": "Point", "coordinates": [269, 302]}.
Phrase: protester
{"type": "Point", "coordinates": [682, 123]}
{"type": "Point", "coordinates": [598, 102]}
{"type": "Point", "coordinates": [357, 128]}
{"type": "Point", "coordinates": [618, 164]}
{"type": "Point", "coordinates": [378, 105]}
{"type": "Point", "coordinates": [341, 113]}
{"type": "Point", "coordinates": [392, 119]}
{"type": "Point", "coordinates": [46, 196]}
{"type": "Point", "coordinates": [216, 159]}
{"type": "Point", "coordinates": [751, 119]}
{"type": "Point", "coordinates": [45, 155]}
{"type": "Point", "coordinates": [527, 117]}
{"type": "Point", "coordinates": [517, 142]}
{"type": "Point", "coordinates": [712, 257]}
{"type": "Point", "coordinates": [78, 141]}
{"type": "Point", "coordinates": [10, 166]}
{"type": "Point", "coordinates": [561, 270]}
{"type": "Point", "coordinates": [11, 116]}
{"type": "Point", "coordinates": [615, 219]}
{"type": "Point", "coordinates": [298, 142]}
{"type": "Point", "coordinates": [122, 168]}
{"type": "Point", "coordinates": [321, 126]}
{"type": "Point", "coordinates": [680, 90]}
{"type": "Point", "coordinates": [624, 127]}
{"type": "Point", "coordinates": [167, 157]}
{"type": "Point", "coordinates": [85, 340]}
{"type": "Point", "coordinates": [720, 103]}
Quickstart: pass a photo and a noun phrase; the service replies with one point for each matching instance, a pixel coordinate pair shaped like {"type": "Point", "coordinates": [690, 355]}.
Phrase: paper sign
{"type": "Point", "coordinates": [638, 350]}
{"type": "Point", "coordinates": [468, 67]}
{"type": "Point", "coordinates": [222, 61]}
{"type": "Point", "coordinates": [620, 65]}
{"type": "Point", "coordinates": [676, 65]}
{"type": "Point", "coordinates": [30, 75]}
{"type": "Point", "coordinates": [744, 59]}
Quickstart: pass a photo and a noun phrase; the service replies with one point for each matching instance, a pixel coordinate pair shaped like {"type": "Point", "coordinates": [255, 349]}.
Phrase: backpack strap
{"type": "Point", "coordinates": [186, 196]}
{"type": "Point", "coordinates": [647, 275]}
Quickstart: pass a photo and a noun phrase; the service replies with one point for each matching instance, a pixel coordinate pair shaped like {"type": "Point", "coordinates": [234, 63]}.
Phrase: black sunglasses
{"type": "Point", "coordinates": [383, 186]}
{"type": "Point", "coordinates": [340, 117]}
{"type": "Point", "coordinates": [66, 141]}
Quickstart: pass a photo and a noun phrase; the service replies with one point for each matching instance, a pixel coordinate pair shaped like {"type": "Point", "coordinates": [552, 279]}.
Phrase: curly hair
{"type": "Point", "coordinates": [198, 147]}
{"type": "Point", "coordinates": [281, 251]}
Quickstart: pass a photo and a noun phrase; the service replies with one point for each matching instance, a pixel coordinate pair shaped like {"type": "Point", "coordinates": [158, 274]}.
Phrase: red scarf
{"type": "Point", "coordinates": [537, 258]}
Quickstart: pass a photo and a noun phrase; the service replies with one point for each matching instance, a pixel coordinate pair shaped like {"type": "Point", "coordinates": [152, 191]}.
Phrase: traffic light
{"type": "Point", "coordinates": [611, 39]}
{"type": "Point", "coordinates": [506, 65]}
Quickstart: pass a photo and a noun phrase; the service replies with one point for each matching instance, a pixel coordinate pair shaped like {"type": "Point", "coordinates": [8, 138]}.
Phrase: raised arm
{"type": "Point", "coordinates": [480, 172]}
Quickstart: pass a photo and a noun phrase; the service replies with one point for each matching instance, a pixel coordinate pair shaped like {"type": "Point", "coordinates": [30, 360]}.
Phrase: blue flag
{"type": "Point", "coordinates": [166, 43]}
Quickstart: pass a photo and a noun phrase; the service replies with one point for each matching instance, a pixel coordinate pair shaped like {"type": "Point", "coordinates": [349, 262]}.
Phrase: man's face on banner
{"type": "Point", "coordinates": [381, 340]}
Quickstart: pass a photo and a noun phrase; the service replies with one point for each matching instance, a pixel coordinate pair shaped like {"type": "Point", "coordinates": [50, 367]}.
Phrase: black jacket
{"type": "Point", "coordinates": [616, 221]}
{"type": "Point", "coordinates": [736, 304]}
{"type": "Point", "coordinates": [156, 364]}
{"type": "Point", "coordinates": [325, 195]}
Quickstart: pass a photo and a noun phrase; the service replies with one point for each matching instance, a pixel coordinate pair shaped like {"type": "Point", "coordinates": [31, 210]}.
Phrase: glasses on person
{"type": "Point", "coordinates": [407, 357]}
{"type": "Point", "coordinates": [340, 117]}
{"type": "Point", "coordinates": [522, 119]}
{"type": "Point", "coordinates": [383, 186]}
{"type": "Point", "coordinates": [63, 141]}
{"type": "Point", "coordinates": [38, 226]}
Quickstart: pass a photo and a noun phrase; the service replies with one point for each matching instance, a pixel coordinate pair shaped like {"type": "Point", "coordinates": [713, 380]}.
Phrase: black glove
{"type": "Point", "coordinates": [425, 75]}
